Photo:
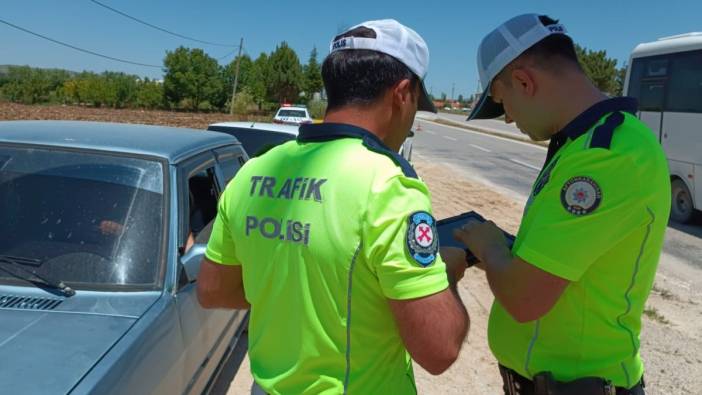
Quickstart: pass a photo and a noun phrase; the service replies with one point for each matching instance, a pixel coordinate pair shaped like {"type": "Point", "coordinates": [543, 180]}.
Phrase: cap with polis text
{"type": "Point", "coordinates": [500, 48]}
{"type": "Point", "coordinates": [400, 42]}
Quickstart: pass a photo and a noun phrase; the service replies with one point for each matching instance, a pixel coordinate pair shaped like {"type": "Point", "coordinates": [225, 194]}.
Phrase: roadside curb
{"type": "Point", "coordinates": [488, 131]}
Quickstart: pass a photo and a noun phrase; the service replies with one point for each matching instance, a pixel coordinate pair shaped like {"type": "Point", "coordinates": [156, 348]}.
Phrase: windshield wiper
{"type": "Point", "coordinates": [37, 280]}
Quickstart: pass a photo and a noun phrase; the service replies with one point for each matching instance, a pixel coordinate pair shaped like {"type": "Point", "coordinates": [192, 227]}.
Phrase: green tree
{"type": "Point", "coordinates": [243, 102]}
{"type": "Point", "coordinates": [601, 69]}
{"type": "Point", "coordinates": [120, 89]}
{"type": "Point", "coordinates": [149, 94]}
{"type": "Point", "coordinates": [259, 79]}
{"type": "Point", "coordinates": [286, 78]}
{"type": "Point", "coordinates": [29, 85]}
{"type": "Point", "coordinates": [245, 69]}
{"type": "Point", "coordinates": [90, 89]}
{"type": "Point", "coordinates": [71, 91]}
{"type": "Point", "coordinates": [192, 78]}
{"type": "Point", "coordinates": [621, 76]}
{"type": "Point", "coordinates": [313, 76]}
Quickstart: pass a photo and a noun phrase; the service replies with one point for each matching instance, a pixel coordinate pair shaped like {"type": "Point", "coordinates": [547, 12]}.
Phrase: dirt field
{"type": "Point", "coordinates": [12, 111]}
{"type": "Point", "coordinates": [671, 339]}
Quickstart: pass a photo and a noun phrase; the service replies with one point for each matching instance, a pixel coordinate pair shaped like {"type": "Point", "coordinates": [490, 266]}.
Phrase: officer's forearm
{"type": "Point", "coordinates": [498, 266]}
{"type": "Point", "coordinates": [524, 290]}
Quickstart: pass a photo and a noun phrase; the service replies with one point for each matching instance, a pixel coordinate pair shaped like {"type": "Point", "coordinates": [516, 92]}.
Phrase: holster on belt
{"type": "Point", "coordinates": [545, 384]}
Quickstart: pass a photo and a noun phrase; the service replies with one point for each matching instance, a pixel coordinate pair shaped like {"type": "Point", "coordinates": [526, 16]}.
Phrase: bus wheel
{"type": "Point", "coordinates": [682, 208]}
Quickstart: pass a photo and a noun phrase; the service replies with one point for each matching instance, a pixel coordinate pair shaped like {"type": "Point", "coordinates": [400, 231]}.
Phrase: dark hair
{"type": "Point", "coordinates": [360, 76]}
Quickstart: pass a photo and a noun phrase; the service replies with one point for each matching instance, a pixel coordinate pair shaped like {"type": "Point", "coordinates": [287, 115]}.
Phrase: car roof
{"type": "Point", "coordinates": [170, 143]}
{"type": "Point", "coordinates": [253, 126]}
{"type": "Point", "coordinates": [292, 108]}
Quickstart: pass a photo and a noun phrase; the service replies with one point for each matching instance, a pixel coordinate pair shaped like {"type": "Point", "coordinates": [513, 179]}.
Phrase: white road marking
{"type": "Point", "coordinates": [449, 138]}
{"type": "Point", "coordinates": [429, 131]}
{"type": "Point", "coordinates": [480, 148]}
{"type": "Point", "coordinates": [538, 147]}
{"type": "Point", "coordinates": [524, 164]}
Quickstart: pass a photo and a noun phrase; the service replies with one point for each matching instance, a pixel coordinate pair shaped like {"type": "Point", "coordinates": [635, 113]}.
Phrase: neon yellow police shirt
{"type": "Point", "coordinates": [326, 229]}
{"type": "Point", "coordinates": [596, 217]}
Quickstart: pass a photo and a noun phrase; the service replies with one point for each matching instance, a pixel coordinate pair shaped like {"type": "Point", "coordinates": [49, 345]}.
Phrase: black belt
{"type": "Point", "coordinates": [544, 384]}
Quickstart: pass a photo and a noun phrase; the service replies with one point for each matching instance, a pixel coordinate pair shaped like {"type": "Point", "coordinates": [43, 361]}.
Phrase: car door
{"type": "Point", "coordinates": [199, 189]}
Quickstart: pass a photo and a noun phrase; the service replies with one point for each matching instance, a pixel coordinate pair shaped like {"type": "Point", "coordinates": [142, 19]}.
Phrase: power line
{"type": "Point", "coordinates": [79, 49]}
{"type": "Point", "coordinates": [160, 28]}
{"type": "Point", "coordinates": [227, 55]}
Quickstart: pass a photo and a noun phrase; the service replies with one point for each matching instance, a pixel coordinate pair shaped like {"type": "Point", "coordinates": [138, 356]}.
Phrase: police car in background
{"type": "Point", "coordinates": [292, 115]}
{"type": "Point", "coordinates": [258, 138]}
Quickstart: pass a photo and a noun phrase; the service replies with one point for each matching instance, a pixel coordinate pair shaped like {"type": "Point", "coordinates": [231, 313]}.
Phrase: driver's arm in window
{"type": "Point", "coordinates": [220, 282]}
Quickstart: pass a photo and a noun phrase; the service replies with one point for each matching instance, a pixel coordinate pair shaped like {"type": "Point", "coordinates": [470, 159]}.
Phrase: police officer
{"type": "Point", "coordinates": [331, 241]}
{"type": "Point", "coordinates": [570, 293]}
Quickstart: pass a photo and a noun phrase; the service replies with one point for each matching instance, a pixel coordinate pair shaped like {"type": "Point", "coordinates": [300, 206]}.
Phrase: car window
{"type": "Point", "coordinates": [292, 113]}
{"type": "Point", "coordinates": [202, 203]}
{"type": "Point", "coordinates": [230, 161]}
{"type": "Point", "coordinates": [89, 220]}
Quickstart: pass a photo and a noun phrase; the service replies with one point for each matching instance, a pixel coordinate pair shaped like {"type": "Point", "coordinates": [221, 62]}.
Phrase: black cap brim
{"type": "Point", "coordinates": [486, 107]}
{"type": "Point", "coordinates": [425, 104]}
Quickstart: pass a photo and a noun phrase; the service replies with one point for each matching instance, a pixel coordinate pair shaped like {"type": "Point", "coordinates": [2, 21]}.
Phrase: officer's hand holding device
{"type": "Point", "coordinates": [455, 259]}
{"type": "Point", "coordinates": [451, 227]}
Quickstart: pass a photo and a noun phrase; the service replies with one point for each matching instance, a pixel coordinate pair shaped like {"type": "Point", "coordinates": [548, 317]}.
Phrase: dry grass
{"type": "Point", "coordinates": [13, 111]}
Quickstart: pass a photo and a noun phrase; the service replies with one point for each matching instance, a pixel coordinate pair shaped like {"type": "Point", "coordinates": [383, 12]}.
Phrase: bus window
{"type": "Point", "coordinates": [657, 67]}
{"type": "Point", "coordinates": [651, 95]}
{"type": "Point", "coordinates": [647, 82]}
{"type": "Point", "coordinates": [685, 88]}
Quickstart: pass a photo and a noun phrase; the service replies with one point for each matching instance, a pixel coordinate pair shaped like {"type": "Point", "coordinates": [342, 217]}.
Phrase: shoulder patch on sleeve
{"type": "Point", "coordinates": [581, 195]}
{"type": "Point", "coordinates": [422, 238]}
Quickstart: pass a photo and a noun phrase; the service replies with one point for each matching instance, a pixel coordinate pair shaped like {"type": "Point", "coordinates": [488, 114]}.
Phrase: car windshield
{"type": "Point", "coordinates": [256, 142]}
{"type": "Point", "coordinates": [292, 113]}
{"type": "Point", "coordinates": [91, 220]}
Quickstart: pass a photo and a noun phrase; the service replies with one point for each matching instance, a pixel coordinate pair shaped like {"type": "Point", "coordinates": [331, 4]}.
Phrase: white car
{"type": "Point", "coordinates": [258, 138]}
{"type": "Point", "coordinates": [292, 115]}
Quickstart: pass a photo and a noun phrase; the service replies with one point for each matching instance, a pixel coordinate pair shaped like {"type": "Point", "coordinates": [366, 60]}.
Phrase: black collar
{"type": "Point", "coordinates": [315, 132]}
{"type": "Point", "coordinates": [582, 123]}
{"type": "Point", "coordinates": [310, 133]}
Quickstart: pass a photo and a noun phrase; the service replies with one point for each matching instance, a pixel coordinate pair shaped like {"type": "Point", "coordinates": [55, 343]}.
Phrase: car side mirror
{"type": "Point", "coordinates": [191, 261]}
{"type": "Point", "coordinates": [411, 133]}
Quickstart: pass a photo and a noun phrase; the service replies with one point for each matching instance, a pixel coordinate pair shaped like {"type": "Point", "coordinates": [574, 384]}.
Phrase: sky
{"type": "Point", "coordinates": [452, 30]}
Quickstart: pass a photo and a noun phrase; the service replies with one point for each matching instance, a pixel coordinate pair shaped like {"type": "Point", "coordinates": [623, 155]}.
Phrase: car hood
{"type": "Point", "coordinates": [50, 351]}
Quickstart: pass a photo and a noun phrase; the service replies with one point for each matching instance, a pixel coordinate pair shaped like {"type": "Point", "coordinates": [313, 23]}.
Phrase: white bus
{"type": "Point", "coordinates": [666, 77]}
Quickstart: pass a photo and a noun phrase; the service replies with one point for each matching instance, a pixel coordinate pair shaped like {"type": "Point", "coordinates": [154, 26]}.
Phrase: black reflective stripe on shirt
{"type": "Point", "coordinates": [602, 136]}
{"type": "Point", "coordinates": [583, 122]}
{"type": "Point", "coordinates": [331, 131]}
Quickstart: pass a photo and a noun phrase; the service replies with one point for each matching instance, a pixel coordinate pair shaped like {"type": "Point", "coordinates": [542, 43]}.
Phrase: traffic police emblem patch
{"type": "Point", "coordinates": [581, 195]}
{"type": "Point", "coordinates": [422, 241]}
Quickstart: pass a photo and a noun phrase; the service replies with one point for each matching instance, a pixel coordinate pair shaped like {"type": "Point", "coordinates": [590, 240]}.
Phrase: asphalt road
{"type": "Point", "coordinates": [512, 166]}
{"type": "Point", "coordinates": [509, 165]}
{"type": "Point", "coordinates": [496, 124]}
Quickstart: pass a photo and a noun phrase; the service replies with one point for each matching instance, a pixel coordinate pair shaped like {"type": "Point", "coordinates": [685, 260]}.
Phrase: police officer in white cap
{"type": "Point", "coordinates": [348, 306]}
{"type": "Point", "coordinates": [570, 292]}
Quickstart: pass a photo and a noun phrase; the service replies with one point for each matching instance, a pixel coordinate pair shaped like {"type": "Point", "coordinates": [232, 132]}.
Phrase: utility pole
{"type": "Point", "coordinates": [236, 75]}
{"type": "Point", "coordinates": [453, 87]}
